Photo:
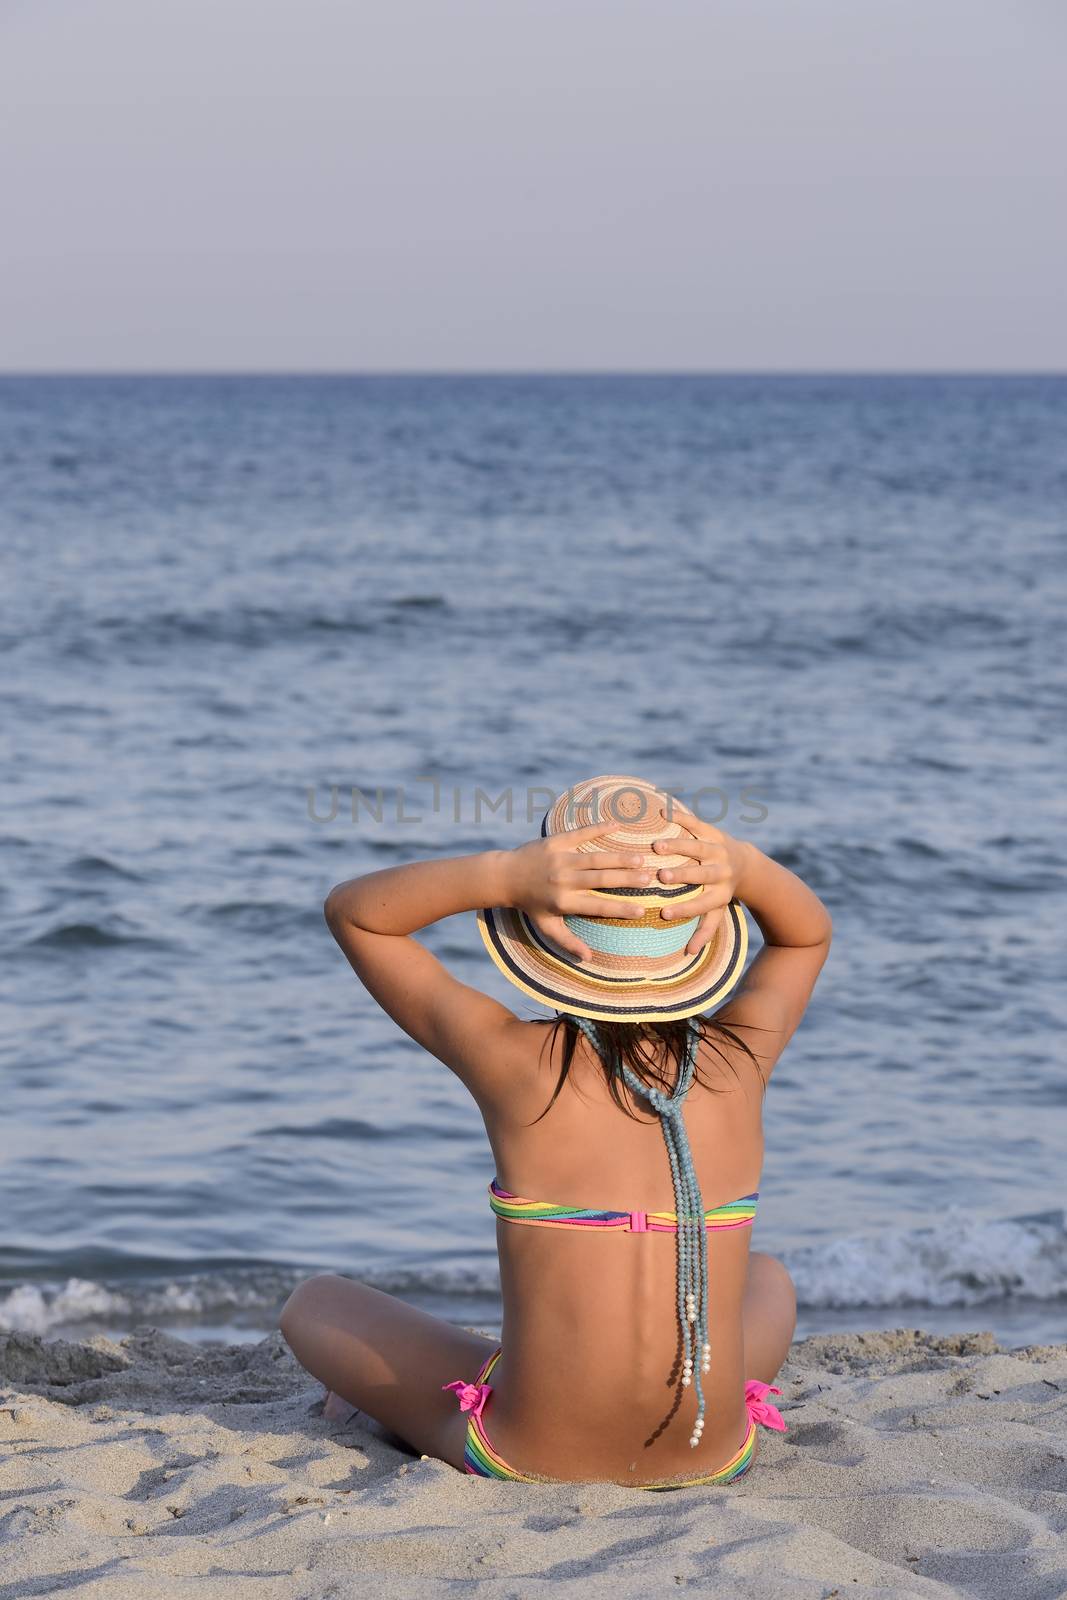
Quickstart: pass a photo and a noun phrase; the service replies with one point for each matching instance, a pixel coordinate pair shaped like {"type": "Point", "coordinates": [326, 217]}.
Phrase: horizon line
{"type": "Point", "coordinates": [532, 372]}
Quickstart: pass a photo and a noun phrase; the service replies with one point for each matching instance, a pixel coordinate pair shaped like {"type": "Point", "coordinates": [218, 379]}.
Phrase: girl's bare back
{"type": "Point", "coordinates": [591, 1307]}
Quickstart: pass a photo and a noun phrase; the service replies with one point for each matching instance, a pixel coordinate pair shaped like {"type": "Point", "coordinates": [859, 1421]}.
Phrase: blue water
{"type": "Point", "coordinates": [223, 597]}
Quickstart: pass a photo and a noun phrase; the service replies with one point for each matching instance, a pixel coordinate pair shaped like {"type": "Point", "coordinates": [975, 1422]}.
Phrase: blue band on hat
{"type": "Point", "coordinates": [612, 941]}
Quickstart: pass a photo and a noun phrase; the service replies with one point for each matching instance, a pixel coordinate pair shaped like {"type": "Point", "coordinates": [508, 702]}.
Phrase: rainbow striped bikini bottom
{"type": "Point", "coordinates": [483, 1461]}
{"type": "Point", "coordinates": [479, 1455]}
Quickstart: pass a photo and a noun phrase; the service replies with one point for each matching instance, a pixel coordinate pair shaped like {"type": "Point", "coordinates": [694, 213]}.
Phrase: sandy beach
{"type": "Point", "coordinates": [154, 1467]}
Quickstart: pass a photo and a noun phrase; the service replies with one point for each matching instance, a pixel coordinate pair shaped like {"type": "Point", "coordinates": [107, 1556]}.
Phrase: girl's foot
{"type": "Point", "coordinates": [334, 1409]}
{"type": "Point", "coordinates": [337, 1410]}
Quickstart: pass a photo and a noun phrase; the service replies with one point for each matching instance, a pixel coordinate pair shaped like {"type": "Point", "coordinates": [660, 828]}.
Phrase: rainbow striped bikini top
{"type": "Point", "coordinates": [735, 1214]}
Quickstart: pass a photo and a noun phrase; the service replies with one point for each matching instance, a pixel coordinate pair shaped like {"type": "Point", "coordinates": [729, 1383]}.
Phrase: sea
{"type": "Point", "coordinates": [262, 634]}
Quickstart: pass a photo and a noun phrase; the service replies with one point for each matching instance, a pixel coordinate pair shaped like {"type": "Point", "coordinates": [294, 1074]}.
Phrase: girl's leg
{"type": "Point", "coordinates": [387, 1358]}
{"type": "Point", "coordinates": [769, 1316]}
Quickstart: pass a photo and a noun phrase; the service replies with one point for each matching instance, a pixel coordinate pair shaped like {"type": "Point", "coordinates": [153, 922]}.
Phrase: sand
{"type": "Point", "coordinates": [152, 1467]}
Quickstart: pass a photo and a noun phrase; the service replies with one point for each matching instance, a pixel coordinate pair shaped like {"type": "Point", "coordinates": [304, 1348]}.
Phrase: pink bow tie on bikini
{"type": "Point", "coordinates": [760, 1409]}
{"type": "Point", "coordinates": [472, 1396]}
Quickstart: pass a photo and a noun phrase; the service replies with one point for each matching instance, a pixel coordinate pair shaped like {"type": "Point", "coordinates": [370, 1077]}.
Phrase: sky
{"type": "Point", "coordinates": [494, 185]}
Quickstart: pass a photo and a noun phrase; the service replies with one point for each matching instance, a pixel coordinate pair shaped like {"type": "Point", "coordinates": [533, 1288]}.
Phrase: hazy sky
{"type": "Point", "coordinates": [564, 184]}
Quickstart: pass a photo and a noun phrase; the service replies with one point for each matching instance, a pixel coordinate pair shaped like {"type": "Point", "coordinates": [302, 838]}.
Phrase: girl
{"type": "Point", "coordinates": [640, 1332]}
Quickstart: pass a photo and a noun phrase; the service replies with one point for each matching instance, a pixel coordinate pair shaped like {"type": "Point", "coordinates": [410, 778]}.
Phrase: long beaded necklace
{"type": "Point", "coordinates": [692, 1273]}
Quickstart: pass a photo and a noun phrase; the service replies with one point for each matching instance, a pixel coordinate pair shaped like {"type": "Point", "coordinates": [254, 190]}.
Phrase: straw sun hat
{"type": "Point", "coordinates": [639, 971]}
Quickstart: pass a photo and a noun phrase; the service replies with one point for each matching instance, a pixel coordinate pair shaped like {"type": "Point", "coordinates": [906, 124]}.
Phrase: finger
{"type": "Point", "coordinates": [555, 929]}
{"type": "Point", "coordinates": [701, 872]}
{"type": "Point", "coordinates": [626, 879]}
{"type": "Point", "coordinates": [703, 934]}
{"type": "Point", "coordinates": [694, 849]}
{"type": "Point", "coordinates": [677, 812]}
{"type": "Point", "coordinates": [710, 901]}
{"type": "Point", "coordinates": [580, 903]}
{"type": "Point", "coordinates": [604, 860]}
{"type": "Point", "coordinates": [588, 830]}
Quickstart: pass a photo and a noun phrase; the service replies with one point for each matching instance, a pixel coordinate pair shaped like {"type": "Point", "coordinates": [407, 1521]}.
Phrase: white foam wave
{"type": "Point", "coordinates": [32, 1308]}
{"type": "Point", "coordinates": [44, 1308]}
{"type": "Point", "coordinates": [961, 1261]}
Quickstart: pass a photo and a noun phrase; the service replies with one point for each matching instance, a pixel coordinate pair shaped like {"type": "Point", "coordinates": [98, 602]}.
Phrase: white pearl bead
{"type": "Point", "coordinates": [686, 1380]}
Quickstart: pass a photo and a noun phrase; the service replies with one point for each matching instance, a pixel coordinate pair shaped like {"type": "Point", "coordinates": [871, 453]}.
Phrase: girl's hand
{"type": "Point", "coordinates": [549, 879]}
{"type": "Point", "coordinates": [718, 861]}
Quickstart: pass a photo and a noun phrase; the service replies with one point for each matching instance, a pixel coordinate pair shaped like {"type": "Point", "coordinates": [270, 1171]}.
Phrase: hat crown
{"type": "Point", "coordinates": [640, 969]}
{"type": "Point", "coordinates": [632, 813]}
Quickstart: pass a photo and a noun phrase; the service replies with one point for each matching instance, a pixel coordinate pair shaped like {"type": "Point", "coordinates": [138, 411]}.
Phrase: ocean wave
{"type": "Point", "coordinates": [883, 629]}
{"type": "Point", "coordinates": [89, 936]}
{"type": "Point", "coordinates": [344, 1128]}
{"type": "Point", "coordinates": [253, 1294]}
{"type": "Point", "coordinates": [840, 866]}
{"type": "Point", "coordinates": [94, 866]}
{"type": "Point", "coordinates": [960, 1261]}
{"type": "Point", "coordinates": [260, 915]}
{"type": "Point", "coordinates": [83, 636]}
{"type": "Point", "coordinates": [46, 1308]}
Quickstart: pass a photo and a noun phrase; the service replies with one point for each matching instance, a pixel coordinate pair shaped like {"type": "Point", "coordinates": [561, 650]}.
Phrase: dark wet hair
{"type": "Point", "coordinates": [627, 1043]}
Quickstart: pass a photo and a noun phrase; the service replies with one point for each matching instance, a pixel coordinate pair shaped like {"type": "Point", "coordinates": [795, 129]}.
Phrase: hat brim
{"type": "Point", "coordinates": [546, 973]}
